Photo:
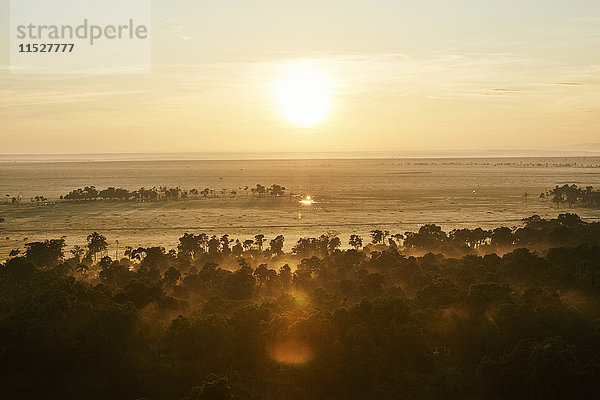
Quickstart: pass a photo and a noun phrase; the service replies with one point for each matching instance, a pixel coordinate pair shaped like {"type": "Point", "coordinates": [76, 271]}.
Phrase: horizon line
{"type": "Point", "coordinates": [296, 155]}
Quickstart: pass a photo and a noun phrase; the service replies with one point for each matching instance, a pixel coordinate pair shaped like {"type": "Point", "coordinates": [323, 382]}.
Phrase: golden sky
{"type": "Point", "coordinates": [399, 75]}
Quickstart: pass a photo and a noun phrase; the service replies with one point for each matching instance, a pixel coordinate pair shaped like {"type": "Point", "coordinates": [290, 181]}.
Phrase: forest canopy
{"type": "Point", "coordinates": [467, 314]}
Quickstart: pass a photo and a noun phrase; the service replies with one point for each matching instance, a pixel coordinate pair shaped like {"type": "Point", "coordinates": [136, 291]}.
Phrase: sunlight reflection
{"type": "Point", "coordinates": [307, 201]}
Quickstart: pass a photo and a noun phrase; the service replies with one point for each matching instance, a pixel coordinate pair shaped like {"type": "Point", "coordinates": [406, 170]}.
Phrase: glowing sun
{"type": "Point", "coordinates": [303, 97]}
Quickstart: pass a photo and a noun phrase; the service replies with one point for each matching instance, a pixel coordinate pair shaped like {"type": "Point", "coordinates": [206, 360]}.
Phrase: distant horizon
{"type": "Point", "coordinates": [305, 155]}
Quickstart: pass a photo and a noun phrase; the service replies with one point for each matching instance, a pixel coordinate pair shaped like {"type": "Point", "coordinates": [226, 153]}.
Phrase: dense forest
{"type": "Point", "coordinates": [508, 313]}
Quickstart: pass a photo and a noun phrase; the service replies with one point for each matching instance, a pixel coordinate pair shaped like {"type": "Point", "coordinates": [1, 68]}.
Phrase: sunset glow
{"type": "Point", "coordinates": [303, 97]}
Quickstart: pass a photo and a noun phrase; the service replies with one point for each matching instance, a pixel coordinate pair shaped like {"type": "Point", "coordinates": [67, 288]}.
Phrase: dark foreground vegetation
{"type": "Point", "coordinates": [470, 314]}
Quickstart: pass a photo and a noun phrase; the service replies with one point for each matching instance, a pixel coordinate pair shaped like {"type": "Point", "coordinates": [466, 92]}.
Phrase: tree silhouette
{"type": "Point", "coordinates": [213, 246]}
{"type": "Point", "coordinates": [276, 245]}
{"type": "Point", "coordinates": [355, 241]}
{"type": "Point", "coordinates": [248, 243]}
{"type": "Point", "coordinates": [96, 243]}
{"type": "Point", "coordinates": [77, 252]}
{"type": "Point", "coordinates": [259, 239]}
{"type": "Point", "coordinates": [45, 254]}
{"type": "Point", "coordinates": [377, 236]}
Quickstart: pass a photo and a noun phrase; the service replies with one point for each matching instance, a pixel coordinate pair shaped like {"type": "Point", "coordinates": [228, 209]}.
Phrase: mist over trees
{"type": "Point", "coordinates": [467, 314]}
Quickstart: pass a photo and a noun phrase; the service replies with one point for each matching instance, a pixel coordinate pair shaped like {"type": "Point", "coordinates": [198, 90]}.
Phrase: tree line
{"type": "Point", "coordinates": [536, 233]}
{"type": "Point", "coordinates": [90, 193]}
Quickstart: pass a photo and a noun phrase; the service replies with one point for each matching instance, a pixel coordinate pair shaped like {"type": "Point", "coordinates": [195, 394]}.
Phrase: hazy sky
{"type": "Point", "coordinates": [404, 75]}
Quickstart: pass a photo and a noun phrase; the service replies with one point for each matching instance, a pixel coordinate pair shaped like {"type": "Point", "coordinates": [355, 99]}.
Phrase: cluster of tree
{"type": "Point", "coordinates": [89, 193]}
{"type": "Point", "coordinates": [207, 322]}
{"type": "Point", "coordinates": [572, 195]}
{"type": "Point", "coordinates": [537, 233]}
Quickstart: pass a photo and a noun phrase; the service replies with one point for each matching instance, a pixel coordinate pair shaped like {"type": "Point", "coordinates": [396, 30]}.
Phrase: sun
{"type": "Point", "coordinates": [304, 97]}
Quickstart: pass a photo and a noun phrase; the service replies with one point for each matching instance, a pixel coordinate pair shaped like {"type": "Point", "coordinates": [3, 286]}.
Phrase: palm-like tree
{"type": "Point", "coordinates": [259, 241]}
{"type": "Point", "coordinates": [96, 243]}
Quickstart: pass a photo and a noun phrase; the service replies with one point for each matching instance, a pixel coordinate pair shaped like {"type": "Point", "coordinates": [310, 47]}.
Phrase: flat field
{"type": "Point", "coordinates": [351, 196]}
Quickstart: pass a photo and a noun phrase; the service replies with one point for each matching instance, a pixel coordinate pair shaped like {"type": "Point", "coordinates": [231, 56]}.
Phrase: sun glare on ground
{"type": "Point", "coordinates": [304, 97]}
{"type": "Point", "coordinates": [307, 201]}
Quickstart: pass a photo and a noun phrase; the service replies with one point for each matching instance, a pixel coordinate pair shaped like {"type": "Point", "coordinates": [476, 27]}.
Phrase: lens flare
{"type": "Point", "coordinates": [291, 351]}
